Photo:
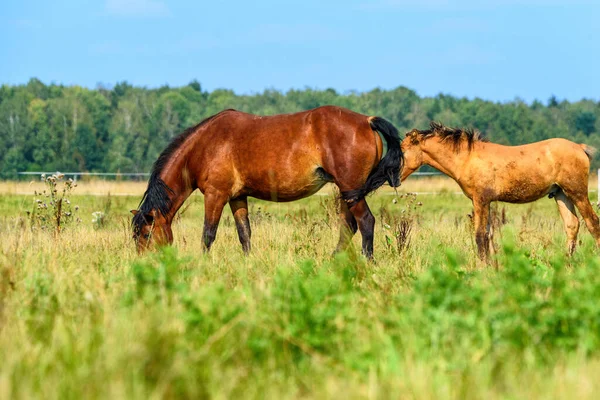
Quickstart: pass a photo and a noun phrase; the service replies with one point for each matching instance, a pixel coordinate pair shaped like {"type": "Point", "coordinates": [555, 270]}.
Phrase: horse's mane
{"type": "Point", "coordinates": [156, 196]}
{"type": "Point", "coordinates": [456, 136]}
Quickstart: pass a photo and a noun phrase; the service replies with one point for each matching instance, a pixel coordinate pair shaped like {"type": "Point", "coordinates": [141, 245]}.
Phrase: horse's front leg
{"type": "Point", "coordinates": [481, 219]}
{"type": "Point", "coordinates": [213, 208]}
{"type": "Point", "coordinates": [366, 224]}
{"type": "Point", "coordinates": [239, 208]}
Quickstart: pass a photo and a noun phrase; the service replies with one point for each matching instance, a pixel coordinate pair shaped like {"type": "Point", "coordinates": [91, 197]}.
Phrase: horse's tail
{"type": "Point", "coordinates": [389, 166]}
{"type": "Point", "coordinates": [589, 151]}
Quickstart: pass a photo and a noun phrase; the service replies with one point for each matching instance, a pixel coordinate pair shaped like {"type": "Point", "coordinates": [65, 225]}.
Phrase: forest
{"type": "Point", "coordinates": [123, 128]}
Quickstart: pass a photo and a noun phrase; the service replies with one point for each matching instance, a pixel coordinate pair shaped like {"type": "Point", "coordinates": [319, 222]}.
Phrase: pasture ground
{"type": "Point", "coordinates": [83, 316]}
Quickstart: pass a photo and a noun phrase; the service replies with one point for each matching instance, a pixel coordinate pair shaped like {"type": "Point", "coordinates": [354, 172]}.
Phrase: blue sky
{"type": "Point", "coordinates": [492, 49]}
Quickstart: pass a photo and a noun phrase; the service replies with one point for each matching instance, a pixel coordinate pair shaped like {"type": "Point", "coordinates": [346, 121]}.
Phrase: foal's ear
{"type": "Point", "coordinates": [413, 135]}
{"type": "Point", "coordinates": [134, 212]}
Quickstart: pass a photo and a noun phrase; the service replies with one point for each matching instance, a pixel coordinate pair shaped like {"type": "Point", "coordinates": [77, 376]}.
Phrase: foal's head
{"type": "Point", "coordinates": [413, 154]}
{"type": "Point", "coordinates": [418, 142]}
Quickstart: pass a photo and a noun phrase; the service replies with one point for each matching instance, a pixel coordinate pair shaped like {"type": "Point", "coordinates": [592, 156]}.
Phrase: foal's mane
{"type": "Point", "coordinates": [156, 197]}
{"type": "Point", "coordinates": [456, 136]}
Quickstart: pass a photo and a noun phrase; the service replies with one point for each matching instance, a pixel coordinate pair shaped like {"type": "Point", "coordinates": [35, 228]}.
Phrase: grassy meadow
{"type": "Point", "coordinates": [82, 315]}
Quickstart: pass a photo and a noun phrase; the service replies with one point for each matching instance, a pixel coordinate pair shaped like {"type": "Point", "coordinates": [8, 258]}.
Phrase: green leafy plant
{"type": "Point", "coordinates": [158, 278]}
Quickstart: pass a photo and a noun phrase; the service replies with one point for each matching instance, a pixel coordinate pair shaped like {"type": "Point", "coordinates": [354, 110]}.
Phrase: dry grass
{"type": "Point", "coordinates": [85, 187]}
{"type": "Point", "coordinates": [423, 185]}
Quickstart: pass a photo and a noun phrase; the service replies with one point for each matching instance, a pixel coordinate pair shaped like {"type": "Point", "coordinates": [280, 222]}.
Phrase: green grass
{"type": "Point", "coordinates": [82, 315]}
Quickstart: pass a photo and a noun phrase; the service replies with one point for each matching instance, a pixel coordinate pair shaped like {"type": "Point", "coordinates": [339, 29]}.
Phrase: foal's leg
{"type": "Point", "coordinates": [570, 220]}
{"type": "Point", "coordinates": [490, 233]}
{"type": "Point", "coordinates": [213, 207]}
{"type": "Point", "coordinates": [482, 215]}
{"type": "Point", "coordinates": [587, 212]}
{"type": "Point", "coordinates": [348, 227]}
{"type": "Point", "coordinates": [239, 208]}
{"type": "Point", "coordinates": [366, 224]}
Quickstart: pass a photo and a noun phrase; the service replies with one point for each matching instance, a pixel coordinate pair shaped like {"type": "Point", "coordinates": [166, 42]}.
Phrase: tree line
{"type": "Point", "coordinates": [124, 128]}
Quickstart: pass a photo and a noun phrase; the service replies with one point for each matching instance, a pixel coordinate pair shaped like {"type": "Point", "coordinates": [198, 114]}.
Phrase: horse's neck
{"type": "Point", "coordinates": [442, 157]}
{"type": "Point", "coordinates": [179, 197]}
{"type": "Point", "coordinates": [176, 177]}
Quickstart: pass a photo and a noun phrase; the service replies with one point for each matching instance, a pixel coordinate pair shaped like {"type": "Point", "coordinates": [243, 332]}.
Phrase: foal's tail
{"type": "Point", "coordinates": [389, 166]}
{"type": "Point", "coordinates": [589, 151]}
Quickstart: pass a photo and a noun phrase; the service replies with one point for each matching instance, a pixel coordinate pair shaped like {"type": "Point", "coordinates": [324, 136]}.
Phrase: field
{"type": "Point", "coordinates": [83, 315]}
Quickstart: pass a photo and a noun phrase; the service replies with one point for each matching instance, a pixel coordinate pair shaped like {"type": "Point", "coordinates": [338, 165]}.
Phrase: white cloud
{"type": "Point", "coordinates": [137, 8]}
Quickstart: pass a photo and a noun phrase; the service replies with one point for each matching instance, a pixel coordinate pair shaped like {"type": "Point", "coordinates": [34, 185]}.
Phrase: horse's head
{"type": "Point", "coordinates": [413, 154]}
{"type": "Point", "coordinates": [150, 229]}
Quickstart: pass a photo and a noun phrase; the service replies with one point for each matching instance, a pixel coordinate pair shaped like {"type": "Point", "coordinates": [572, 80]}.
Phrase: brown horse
{"type": "Point", "coordinates": [489, 172]}
{"type": "Point", "coordinates": [233, 155]}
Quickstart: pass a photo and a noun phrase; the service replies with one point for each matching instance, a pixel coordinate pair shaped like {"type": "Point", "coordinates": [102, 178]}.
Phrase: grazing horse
{"type": "Point", "coordinates": [233, 155]}
{"type": "Point", "coordinates": [489, 172]}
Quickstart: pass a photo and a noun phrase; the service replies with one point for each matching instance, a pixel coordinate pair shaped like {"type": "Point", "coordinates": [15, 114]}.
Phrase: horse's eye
{"type": "Point", "coordinates": [146, 236]}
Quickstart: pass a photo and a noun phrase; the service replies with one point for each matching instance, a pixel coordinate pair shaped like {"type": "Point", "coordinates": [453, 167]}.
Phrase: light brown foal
{"type": "Point", "coordinates": [489, 172]}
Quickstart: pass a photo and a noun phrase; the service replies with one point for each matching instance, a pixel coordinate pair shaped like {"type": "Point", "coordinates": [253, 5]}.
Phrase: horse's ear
{"type": "Point", "coordinates": [151, 216]}
{"type": "Point", "coordinates": [413, 135]}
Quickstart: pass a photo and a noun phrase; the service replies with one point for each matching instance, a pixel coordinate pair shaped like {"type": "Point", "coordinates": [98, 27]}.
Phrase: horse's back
{"type": "Point", "coordinates": [287, 135]}
{"type": "Point", "coordinates": [288, 154]}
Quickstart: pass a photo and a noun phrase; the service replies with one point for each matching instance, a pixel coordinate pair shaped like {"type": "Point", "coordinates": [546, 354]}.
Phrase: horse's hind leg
{"type": "Point", "coordinates": [366, 224]}
{"type": "Point", "coordinates": [213, 207]}
{"type": "Point", "coordinates": [570, 220]}
{"type": "Point", "coordinates": [348, 227]}
{"type": "Point", "coordinates": [239, 208]}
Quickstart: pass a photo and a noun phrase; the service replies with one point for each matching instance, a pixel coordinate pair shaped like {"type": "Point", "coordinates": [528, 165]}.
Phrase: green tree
{"type": "Point", "coordinates": [126, 127]}
{"type": "Point", "coordinates": [585, 121]}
